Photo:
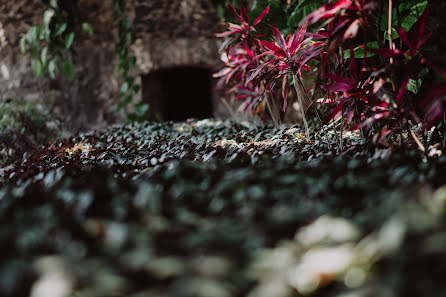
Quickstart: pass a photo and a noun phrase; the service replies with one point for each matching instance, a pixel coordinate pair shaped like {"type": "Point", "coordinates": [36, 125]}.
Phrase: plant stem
{"type": "Point", "coordinates": [342, 128]}
{"type": "Point", "coordinates": [416, 139]}
{"type": "Point", "coordinates": [309, 100]}
{"type": "Point", "coordinates": [389, 29]}
{"type": "Point", "coordinates": [444, 130]}
{"type": "Point", "coordinates": [272, 111]}
{"type": "Point", "coordinates": [301, 105]}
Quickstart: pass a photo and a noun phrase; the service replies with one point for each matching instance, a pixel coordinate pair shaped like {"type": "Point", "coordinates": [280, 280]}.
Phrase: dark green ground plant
{"type": "Point", "coordinates": [23, 126]}
{"type": "Point", "coordinates": [209, 208]}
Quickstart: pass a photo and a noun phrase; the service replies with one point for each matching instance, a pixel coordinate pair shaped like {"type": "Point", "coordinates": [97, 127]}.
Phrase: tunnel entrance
{"type": "Point", "coordinates": [179, 93]}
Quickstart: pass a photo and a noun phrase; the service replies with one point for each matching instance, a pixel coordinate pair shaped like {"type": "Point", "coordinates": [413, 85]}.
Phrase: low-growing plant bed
{"type": "Point", "coordinates": [210, 208]}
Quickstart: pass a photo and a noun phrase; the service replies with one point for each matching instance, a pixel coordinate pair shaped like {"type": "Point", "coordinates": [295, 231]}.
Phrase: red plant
{"type": "Point", "coordinates": [344, 18]}
{"type": "Point", "coordinates": [372, 97]}
{"type": "Point", "coordinates": [244, 33]}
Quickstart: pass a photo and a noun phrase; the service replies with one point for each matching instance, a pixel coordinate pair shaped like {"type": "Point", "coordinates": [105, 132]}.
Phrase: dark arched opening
{"type": "Point", "coordinates": [179, 93]}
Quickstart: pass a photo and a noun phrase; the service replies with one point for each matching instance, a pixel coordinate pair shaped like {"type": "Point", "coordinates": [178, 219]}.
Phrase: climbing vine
{"type": "Point", "coordinates": [51, 42]}
{"type": "Point", "coordinates": [127, 62]}
{"type": "Point", "coordinates": [52, 50]}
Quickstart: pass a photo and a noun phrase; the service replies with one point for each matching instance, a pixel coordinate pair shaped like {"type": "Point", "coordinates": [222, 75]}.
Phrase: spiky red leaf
{"type": "Point", "coordinates": [262, 15]}
{"type": "Point", "coordinates": [326, 11]}
{"type": "Point", "coordinates": [277, 50]}
{"type": "Point", "coordinates": [339, 84]}
{"type": "Point", "coordinates": [234, 11]}
{"type": "Point", "coordinates": [244, 14]}
{"type": "Point", "coordinates": [279, 38]}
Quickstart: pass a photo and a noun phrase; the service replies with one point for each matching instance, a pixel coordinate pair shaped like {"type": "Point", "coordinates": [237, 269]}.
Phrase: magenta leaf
{"type": "Point", "coordinates": [402, 90]}
{"type": "Point", "coordinates": [428, 100]}
{"type": "Point", "coordinates": [257, 71]}
{"type": "Point", "coordinates": [403, 35]}
{"type": "Point", "coordinates": [326, 11]}
{"type": "Point", "coordinates": [352, 29]}
{"type": "Point", "coordinates": [244, 14]}
{"type": "Point", "coordinates": [339, 84]}
{"type": "Point", "coordinates": [386, 52]}
{"type": "Point", "coordinates": [228, 33]}
{"type": "Point", "coordinates": [435, 112]}
{"type": "Point", "coordinates": [262, 15]}
{"type": "Point", "coordinates": [353, 68]}
{"type": "Point", "coordinates": [234, 12]}
{"type": "Point", "coordinates": [418, 29]}
{"type": "Point", "coordinates": [335, 113]}
{"type": "Point", "coordinates": [277, 50]}
{"type": "Point", "coordinates": [279, 38]}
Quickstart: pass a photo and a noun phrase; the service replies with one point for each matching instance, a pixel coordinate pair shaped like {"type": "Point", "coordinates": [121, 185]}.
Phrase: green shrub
{"type": "Point", "coordinates": [23, 125]}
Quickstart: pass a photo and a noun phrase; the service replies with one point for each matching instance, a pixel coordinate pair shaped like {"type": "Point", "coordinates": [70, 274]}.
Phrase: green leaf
{"type": "Point", "coordinates": [44, 56]}
{"type": "Point", "coordinates": [35, 49]}
{"type": "Point", "coordinates": [68, 70]}
{"type": "Point", "coordinates": [415, 12]}
{"type": "Point", "coordinates": [414, 85]}
{"type": "Point", "coordinates": [61, 28]}
{"type": "Point", "coordinates": [47, 16]}
{"type": "Point", "coordinates": [128, 99]}
{"type": "Point", "coordinates": [36, 67]}
{"type": "Point", "coordinates": [141, 109]}
{"type": "Point", "coordinates": [69, 40]}
{"type": "Point", "coordinates": [409, 11]}
{"type": "Point", "coordinates": [126, 22]}
{"type": "Point", "coordinates": [32, 34]}
{"type": "Point", "coordinates": [359, 52]}
{"type": "Point", "coordinates": [124, 87]}
{"type": "Point", "coordinates": [221, 12]}
{"type": "Point", "coordinates": [136, 88]}
{"type": "Point", "coordinates": [52, 67]}
{"type": "Point", "coordinates": [46, 35]}
{"type": "Point", "coordinates": [87, 28]}
{"type": "Point", "coordinates": [23, 44]}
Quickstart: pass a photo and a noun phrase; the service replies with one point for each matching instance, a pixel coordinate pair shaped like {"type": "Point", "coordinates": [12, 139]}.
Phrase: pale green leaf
{"type": "Point", "coordinates": [69, 40]}
{"type": "Point", "coordinates": [52, 67]}
{"type": "Point", "coordinates": [87, 28]}
{"type": "Point", "coordinates": [36, 67]}
{"type": "Point", "coordinates": [44, 55]}
{"type": "Point", "coordinates": [23, 44]}
{"type": "Point", "coordinates": [61, 28]}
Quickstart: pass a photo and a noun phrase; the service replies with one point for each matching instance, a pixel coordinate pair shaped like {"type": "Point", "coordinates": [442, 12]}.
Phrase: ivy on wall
{"type": "Point", "coordinates": [51, 45]}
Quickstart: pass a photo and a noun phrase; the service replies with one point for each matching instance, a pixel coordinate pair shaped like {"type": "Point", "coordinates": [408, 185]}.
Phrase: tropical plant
{"type": "Point", "coordinates": [370, 65]}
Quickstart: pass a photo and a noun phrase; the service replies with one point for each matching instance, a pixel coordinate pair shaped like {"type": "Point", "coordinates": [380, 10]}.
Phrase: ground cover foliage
{"type": "Point", "coordinates": [209, 208]}
{"type": "Point", "coordinates": [23, 126]}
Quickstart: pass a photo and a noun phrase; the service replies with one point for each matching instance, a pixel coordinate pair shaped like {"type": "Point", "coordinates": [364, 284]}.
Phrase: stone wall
{"type": "Point", "coordinates": [86, 102]}
{"type": "Point", "coordinates": [170, 33]}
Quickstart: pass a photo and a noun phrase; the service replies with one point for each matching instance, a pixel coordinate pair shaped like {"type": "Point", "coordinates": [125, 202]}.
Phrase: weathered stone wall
{"type": "Point", "coordinates": [170, 33]}
{"type": "Point", "coordinates": [89, 101]}
{"type": "Point", "coordinates": [177, 33]}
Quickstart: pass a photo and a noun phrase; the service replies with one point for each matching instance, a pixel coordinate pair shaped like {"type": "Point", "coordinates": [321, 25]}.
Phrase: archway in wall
{"type": "Point", "coordinates": [179, 93]}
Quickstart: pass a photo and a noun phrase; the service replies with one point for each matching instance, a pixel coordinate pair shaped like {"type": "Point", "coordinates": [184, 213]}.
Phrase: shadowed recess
{"type": "Point", "coordinates": [179, 93]}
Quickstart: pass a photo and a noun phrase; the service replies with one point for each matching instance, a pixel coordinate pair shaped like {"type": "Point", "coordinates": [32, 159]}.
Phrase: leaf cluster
{"type": "Point", "coordinates": [148, 208]}
{"type": "Point", "coordinates": [373, 68]}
